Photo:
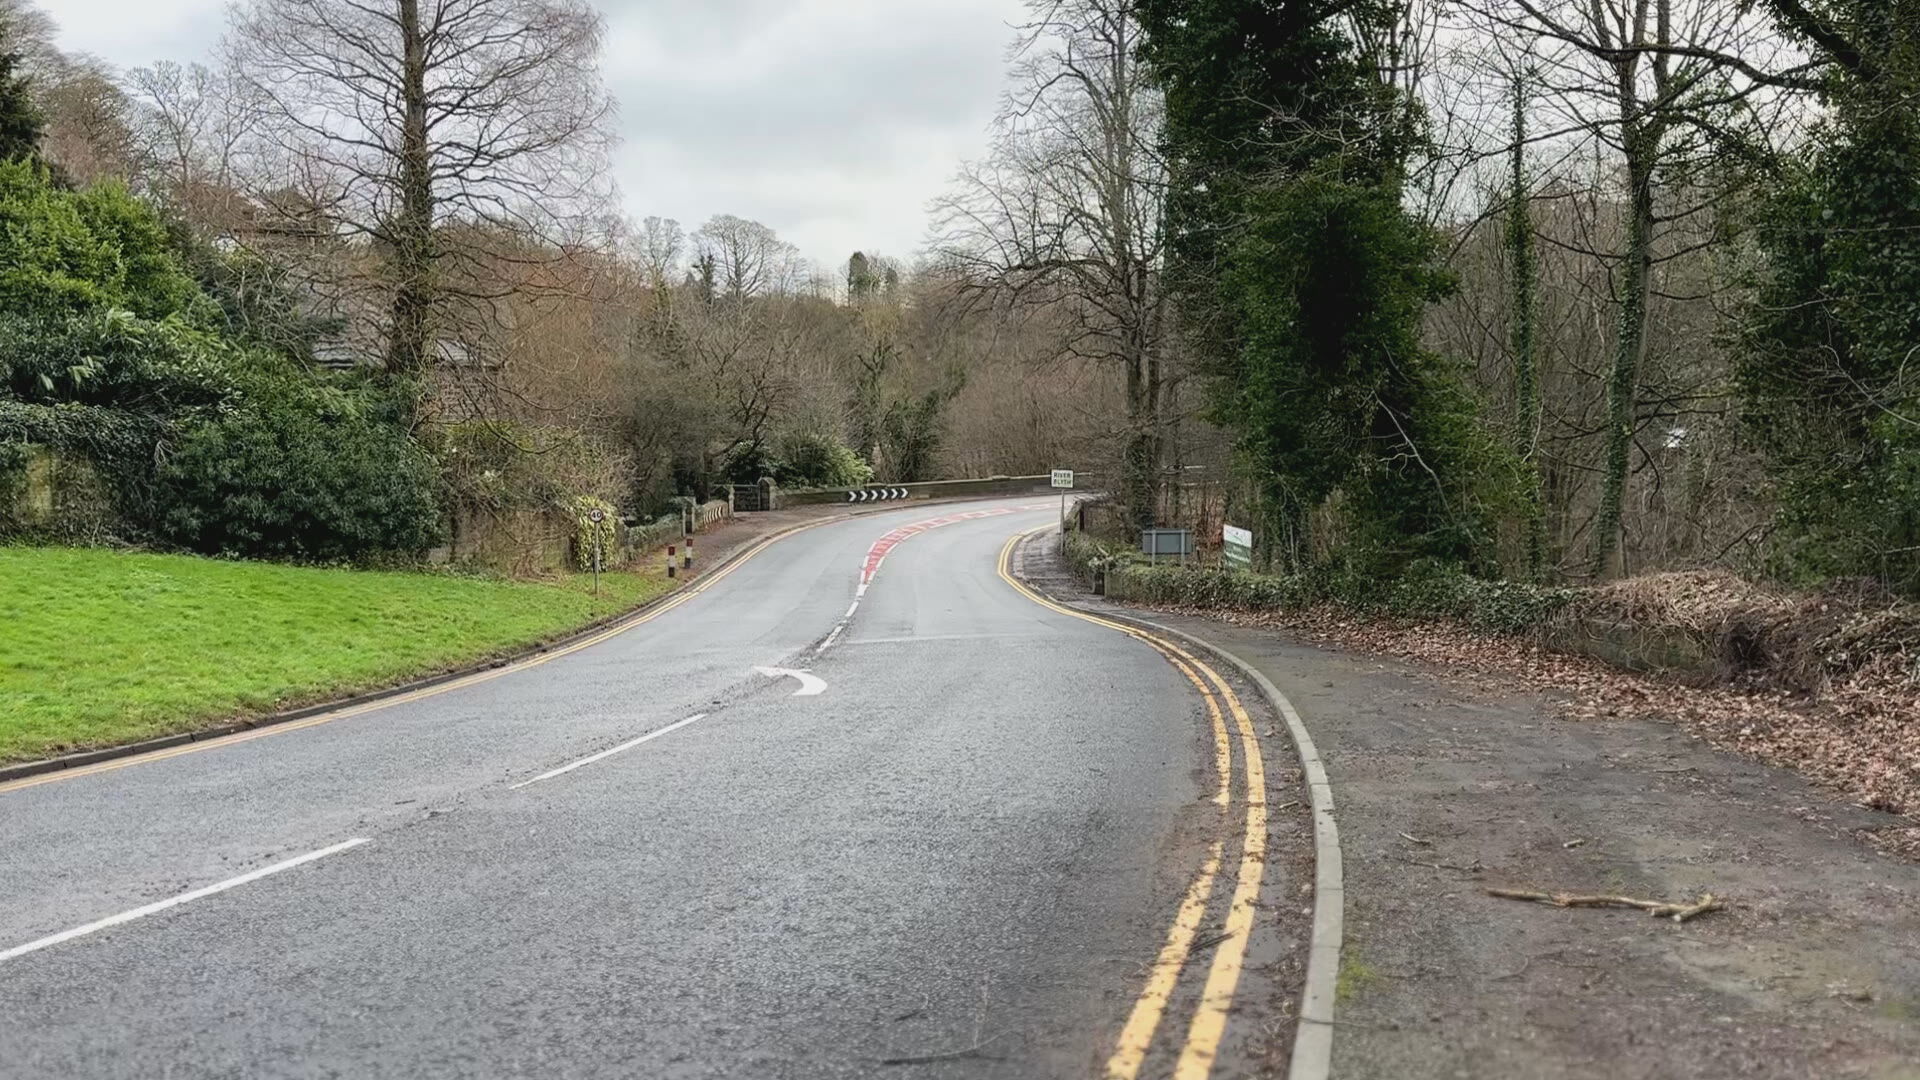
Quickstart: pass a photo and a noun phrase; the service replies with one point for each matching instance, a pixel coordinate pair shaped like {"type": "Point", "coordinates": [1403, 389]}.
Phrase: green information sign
{"type": "Point", "coordinates": [1237, 547]}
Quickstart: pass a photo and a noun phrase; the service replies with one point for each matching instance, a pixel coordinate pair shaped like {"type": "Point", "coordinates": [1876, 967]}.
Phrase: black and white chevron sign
{"type": "Point", "coordinates": [876, 494]}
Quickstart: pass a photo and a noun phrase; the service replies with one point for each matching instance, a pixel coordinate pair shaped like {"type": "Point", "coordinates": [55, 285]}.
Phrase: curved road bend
{"type": "Point", "coordinates": [960, 858]}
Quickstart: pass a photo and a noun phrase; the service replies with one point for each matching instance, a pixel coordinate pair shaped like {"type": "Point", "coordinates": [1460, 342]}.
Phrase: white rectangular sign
{"type": "Point", "coordinates": [1063, 478]}
{"type": "Point", "coordinates": [1233, 534]}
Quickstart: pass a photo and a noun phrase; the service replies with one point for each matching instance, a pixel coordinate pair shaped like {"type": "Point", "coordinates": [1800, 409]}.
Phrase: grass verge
{"type": "Point", "coordinates": [103, 647]}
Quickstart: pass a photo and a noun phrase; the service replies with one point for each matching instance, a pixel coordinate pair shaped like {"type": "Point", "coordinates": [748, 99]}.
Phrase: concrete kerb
{"type": "Point", "coordinates": [21, 769]}
{"type": "Point", "coordinates": [1312, 1057]}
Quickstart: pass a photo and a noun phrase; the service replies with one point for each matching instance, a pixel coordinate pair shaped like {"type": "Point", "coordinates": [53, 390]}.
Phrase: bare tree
{"type": "Point", "coordinates": [85, 113]}
{"type": "Point", "coordinates": [659, 248]}
{"type": "Point", "coordinates": [464, 139]}
{"type": "Point", "coordinates": [192, 125]}
{"type": "Point", "coordinates": [1067, 209]}
{"type": "Point", "coordinates": [1664, 97]}
{"type": "Point", "coordinates": [87, 132]}
{"type": "Point", "coordinates": [30, 32]}
{"type": "Point", "coordinates": [748, 259]}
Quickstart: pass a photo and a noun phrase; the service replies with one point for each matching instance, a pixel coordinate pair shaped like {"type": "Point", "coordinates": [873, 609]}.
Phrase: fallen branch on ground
{"type": "Point", "coordinates": [1676, 912]}
{"type": "Point", "coordinates": [1207, 942]}
{"type": "Point", "coordinates": [1471, 868]}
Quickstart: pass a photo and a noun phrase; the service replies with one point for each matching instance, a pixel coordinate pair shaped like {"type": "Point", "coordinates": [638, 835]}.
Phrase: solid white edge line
{"type": "Point", "coordinates": [591, 758]}
{"type": "Point", "coordinates": [162, 905]}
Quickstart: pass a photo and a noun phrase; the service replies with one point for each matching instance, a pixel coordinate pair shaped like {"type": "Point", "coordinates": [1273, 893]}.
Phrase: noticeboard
{"type": "Point", "coordinates": [1236, 547]}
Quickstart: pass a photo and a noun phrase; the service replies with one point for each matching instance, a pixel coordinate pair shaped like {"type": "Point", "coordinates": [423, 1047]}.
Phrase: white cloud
{"type": "Point", "coordinates": [833, 121]}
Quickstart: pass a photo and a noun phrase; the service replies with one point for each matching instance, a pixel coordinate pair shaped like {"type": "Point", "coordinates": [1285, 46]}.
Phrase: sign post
{"type": "Point", "coordinates": [596, 515]}
{"type": "Point", "coordinates": [1236, 549]}
{"type": "Point", "coordinates": [1063, 479]}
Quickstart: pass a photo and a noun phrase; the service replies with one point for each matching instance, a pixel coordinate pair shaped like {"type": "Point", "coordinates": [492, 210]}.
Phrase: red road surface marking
{"type": "Point", "coordinates": [877, 554]}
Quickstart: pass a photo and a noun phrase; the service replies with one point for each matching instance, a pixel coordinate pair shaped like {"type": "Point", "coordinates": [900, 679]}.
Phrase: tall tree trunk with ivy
{"type": "Point", "coordinates": [1141, 454]}
{"type": "Point", "coordinates": [409, 342]}
{"type": "Point", "coordinates": [1630, 344]}
{"type": "Point", "coordinates": [1526, 369]}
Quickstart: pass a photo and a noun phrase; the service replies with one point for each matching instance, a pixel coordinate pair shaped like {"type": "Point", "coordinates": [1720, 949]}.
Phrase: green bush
{"type": "Point", "coordinates": [1437, 590]}
{"type": "Point", "coordinates": [112, 388]}
{"type": "Point", "coordinates": [1827, 340]}
{"type": "Point", "coordinates": [305, 474]}
{"type": "Point", "coordinates": [114, 359]}
{"type": "Point", "coordinates": [63, 252]}
{"type": "Point", "coordinates": [1428, 589]}
{"type": "Point", "coordinates": [819, 461]}
{"type": "Point", "coordinates": [590, 536]}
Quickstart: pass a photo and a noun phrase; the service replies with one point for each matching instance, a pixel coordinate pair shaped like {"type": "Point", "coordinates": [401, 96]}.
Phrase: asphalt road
{"type": "Point", "coordinates": [964, 851]}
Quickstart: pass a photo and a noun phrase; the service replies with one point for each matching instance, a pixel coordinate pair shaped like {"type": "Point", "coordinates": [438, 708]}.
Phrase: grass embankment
{"type": "Point", "coordinates": [102, 647]}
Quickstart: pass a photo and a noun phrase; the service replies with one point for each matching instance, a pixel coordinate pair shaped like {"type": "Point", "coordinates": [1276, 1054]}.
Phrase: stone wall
{"type": "Point", "coordinates": [54, 497]}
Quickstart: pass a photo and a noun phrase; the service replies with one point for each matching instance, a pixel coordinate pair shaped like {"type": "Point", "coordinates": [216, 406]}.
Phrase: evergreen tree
{"type": "Point", "coordinates": [20, 119]}
{"type": "Point", "coordinates": [861, 280]}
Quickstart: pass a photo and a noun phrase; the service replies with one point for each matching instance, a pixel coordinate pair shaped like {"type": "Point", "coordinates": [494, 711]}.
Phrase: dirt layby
{"type": "Point", "coordinates": [1531, 894]}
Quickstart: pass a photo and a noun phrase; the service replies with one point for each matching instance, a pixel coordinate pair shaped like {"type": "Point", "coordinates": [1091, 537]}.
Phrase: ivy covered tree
{"type": "Point", "coordinates": [1302, 279]}
{"type": "Point", "coordinates": [1830, 364]}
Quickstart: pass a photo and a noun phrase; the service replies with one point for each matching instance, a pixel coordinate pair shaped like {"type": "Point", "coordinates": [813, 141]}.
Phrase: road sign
{"type": "Point", "coordinates": [876, 494]}
{"type": "Point", "coordinates": [1237, 547]}
{"type": "Point", "coordinates": [596, 515]}
{"type": "Point", "coordinates": [1063, 479]}
{"type": "Point", "coordinates": [1157, 542]}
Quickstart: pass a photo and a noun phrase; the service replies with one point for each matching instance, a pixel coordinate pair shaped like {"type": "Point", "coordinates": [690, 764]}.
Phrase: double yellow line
{"type": "Point", "coordinates": [700, 585]}
{"type": "Point", "coordinates": [1216, 997]}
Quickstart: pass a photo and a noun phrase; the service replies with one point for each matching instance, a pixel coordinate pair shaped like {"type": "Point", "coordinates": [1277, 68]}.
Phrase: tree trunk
{"type": "Point", "coordinates": [1629, 348]}
{"type": "Point", "coordinates": [1137, 487]}
{"type": "Point", "coordinates": [1526, 369]}
{"type": "Point", "coordinates": [410, 341]}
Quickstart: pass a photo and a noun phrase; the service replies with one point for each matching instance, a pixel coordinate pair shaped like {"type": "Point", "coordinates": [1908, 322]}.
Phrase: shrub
{"type": "Point", "coordinates": [1428, 589]}
{"type": "Point", "coordinates": [819, 461]}
{"type": "Point", "coordinates": [112, 358]}
{"type": "Point", "coordinates": [63, 252]}
{"type": "Point", "coordinates": [590, 536]}
{"type": "Point", "coordinates": [314, 475]}
{"type": "Point", "coordinates": [503, 465]}
{"type": "Point", "coordinates": [1438, 590]}
{"type": "Point", "coordinates": [116, 359]}
{"type": "Point", "coordinates": [110, 388]}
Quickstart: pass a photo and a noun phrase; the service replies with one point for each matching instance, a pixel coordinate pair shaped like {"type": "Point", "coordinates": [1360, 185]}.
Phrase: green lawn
{"type": "Point", "coordinates": [101, 647]}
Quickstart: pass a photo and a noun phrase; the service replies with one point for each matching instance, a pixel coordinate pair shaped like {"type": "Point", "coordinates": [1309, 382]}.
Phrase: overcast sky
{"type": "Point", "coordinates": [833, 121]}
